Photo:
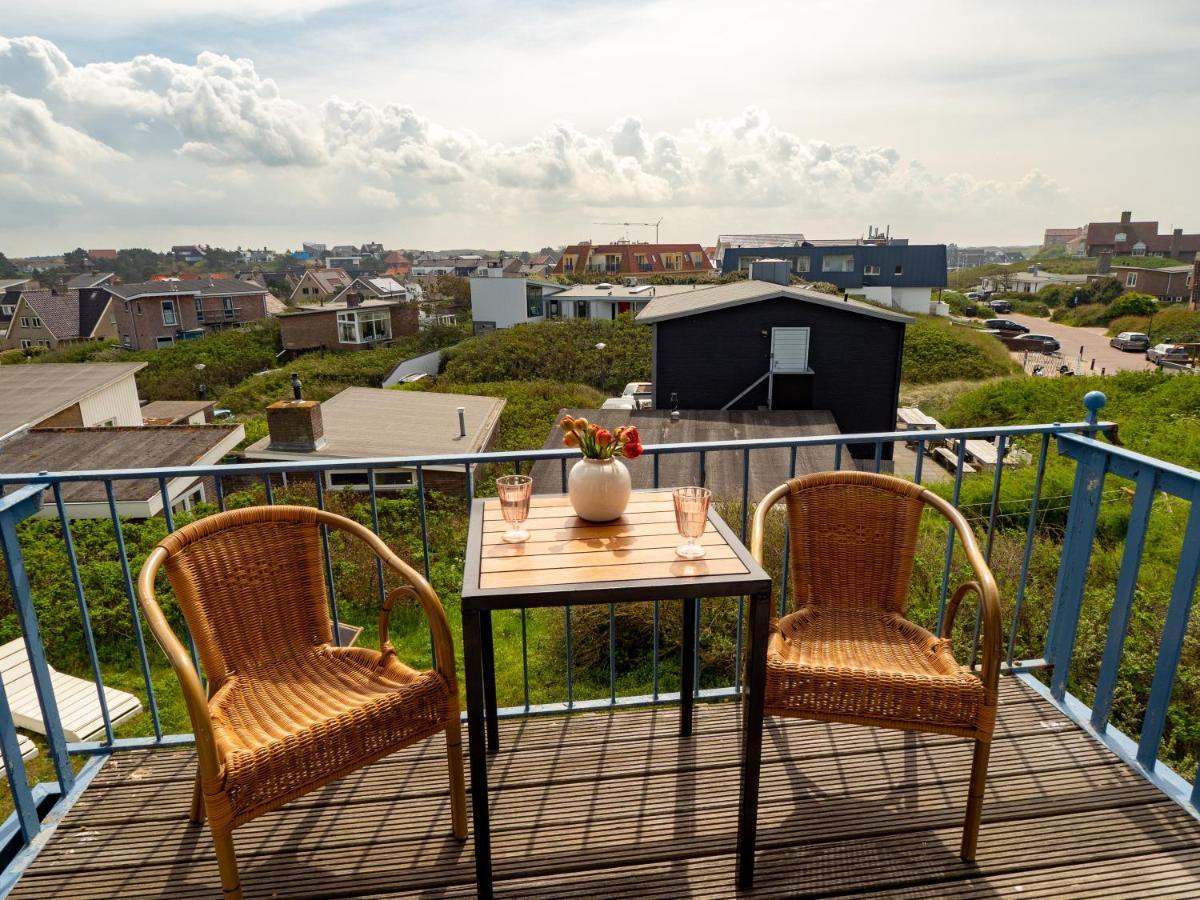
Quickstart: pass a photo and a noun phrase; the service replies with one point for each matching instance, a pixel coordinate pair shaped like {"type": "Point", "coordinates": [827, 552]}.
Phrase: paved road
{"type": "Point", "coordinates": [1093, 341]}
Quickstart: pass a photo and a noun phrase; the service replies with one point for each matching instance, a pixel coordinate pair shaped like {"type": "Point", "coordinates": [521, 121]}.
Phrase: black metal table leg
{"type": "Point", "coordinates": [473, 663]}
{"type": "Point", "coordinates": [489, 681]}
{"type": "Point", "coordinates": [752, 725]}
{"type": "Point", "coordinates": [687, 668]}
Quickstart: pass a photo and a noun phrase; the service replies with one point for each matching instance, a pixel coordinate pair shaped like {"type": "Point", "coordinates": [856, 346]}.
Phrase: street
{"type": "Point", "coordinates": [1093, 341]}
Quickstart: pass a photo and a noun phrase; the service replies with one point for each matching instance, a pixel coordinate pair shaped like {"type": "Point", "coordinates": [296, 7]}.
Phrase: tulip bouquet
{"type": "Point", "coordinates": [600, 443]}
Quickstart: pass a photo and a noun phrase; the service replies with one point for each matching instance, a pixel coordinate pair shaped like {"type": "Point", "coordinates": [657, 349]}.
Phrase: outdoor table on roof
{"type": "Point", "coordinates": [571, 562]}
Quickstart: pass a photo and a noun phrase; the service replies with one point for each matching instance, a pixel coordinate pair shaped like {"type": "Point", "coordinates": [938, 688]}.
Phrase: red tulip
{"type": "Point", "coordinates": [631, 450]}
{"type": "Point", "coordinates": [631, 434]}
{"type": "Point", "coordinates": [603, 437]}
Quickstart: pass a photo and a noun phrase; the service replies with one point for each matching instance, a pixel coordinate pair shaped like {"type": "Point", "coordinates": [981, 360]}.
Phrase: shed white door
{"type": "Point", "coordinates": [789, 351]}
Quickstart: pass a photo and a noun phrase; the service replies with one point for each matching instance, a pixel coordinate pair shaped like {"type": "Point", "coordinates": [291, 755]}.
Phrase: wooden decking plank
{"type": "Point", "coordinates": [616, 804]}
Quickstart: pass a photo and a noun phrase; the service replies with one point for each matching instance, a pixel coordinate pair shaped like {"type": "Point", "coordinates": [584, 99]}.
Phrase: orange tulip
{"type": "Point", "coordinates": [567, 423]}
{"type": "Point", "coordinates": [604, 437]}
{"type": "Point", "coordinates": [571, 439]}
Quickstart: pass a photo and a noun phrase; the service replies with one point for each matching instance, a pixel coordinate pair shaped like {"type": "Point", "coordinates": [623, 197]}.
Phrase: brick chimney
{"type": "Point", "coordinates": [1126, 217]}
{"type": "Point", "coordinates": [1176, 243]}
{"type": "Point", "coordinates": [353, 299]}
{"type": "Point", "coordinates": [295, 426]}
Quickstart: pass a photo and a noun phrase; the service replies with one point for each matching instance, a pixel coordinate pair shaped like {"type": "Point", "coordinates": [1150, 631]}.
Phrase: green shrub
{"type": "Point", "coordinates": [557, 351]}
{"type": "Point", "coordinates": [531, 409]}
{"type": "Point", "coordinates": [1132, 305]}
{"type": "Point", "coordinates": [937, 350]}
{"type": "Point", "coordinates": [1128, 323]}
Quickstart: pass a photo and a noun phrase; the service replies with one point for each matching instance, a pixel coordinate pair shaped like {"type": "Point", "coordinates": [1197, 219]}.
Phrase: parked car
{"type": "Point", "coordinates": [1049, 343]}
{"type": "Point", "coordinates": [976, 295]}
{"type": "Point", "coordinates": [1006, 325]}
{"type": "Point", "coordinates": [971, 311]}
{"type": "Point", "coordinates": [1000, 306]}
{"type": "Point", "coordinates": [1131, 340]}
{"type": "Point", "coordinates": [1161, 353]}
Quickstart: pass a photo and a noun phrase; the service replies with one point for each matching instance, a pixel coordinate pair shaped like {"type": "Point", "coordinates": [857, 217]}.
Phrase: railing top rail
{"type": "Point", "coordinates": [460, 459]}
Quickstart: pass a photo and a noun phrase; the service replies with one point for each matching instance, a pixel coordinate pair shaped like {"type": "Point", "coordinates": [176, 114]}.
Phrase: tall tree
{"type": "Point", "coordinates": [7, 269]}
{"type": "Point", "coordinates": [75, 259]}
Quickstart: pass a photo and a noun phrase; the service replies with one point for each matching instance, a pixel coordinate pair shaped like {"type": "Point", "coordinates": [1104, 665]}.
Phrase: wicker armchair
{"type": "Point", "coordinates": [845, 652]}
{"type": "Point", "coordinates": [286, 710]}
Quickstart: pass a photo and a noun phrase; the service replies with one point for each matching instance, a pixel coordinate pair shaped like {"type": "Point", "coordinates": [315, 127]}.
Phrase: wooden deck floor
{"type": "Point", "coordinates": [617, 805]}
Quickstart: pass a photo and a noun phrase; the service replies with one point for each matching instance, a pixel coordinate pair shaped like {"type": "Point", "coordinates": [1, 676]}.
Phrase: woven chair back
{"type": "Point", "coordinates": [251, 585]}
{"type": "Point", "coordinates": [853, 536]}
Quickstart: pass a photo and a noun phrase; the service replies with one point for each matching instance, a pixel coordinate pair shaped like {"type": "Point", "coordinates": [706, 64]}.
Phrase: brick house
{"type": "Point", "coordinates": [349, 324]}
{"type": "Point", "coordinates": [156, 314]}
{"type": "Point", "coordinates": [1130, 238]}
{"type": "Point", "coordinates": [633, 259]}
{"type": "Point", "coordinates": [319, 286]}
{"type": "Point", "coordinates": [1169, 284]}
{"type": "Point", "coordinates": [43, 318]}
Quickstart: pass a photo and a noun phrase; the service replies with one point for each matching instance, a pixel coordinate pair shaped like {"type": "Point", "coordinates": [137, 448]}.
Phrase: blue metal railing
{"type": "Point", "coordinates": [1094, 459]}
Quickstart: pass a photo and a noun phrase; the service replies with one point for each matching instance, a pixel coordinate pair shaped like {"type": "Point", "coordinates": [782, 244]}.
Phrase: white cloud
{"type": "Point", "coordinates": [217, 129]}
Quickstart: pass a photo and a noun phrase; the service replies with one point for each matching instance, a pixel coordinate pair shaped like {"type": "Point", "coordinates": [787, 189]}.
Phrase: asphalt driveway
{"type": "Point", "coordinates": [1090, 343]}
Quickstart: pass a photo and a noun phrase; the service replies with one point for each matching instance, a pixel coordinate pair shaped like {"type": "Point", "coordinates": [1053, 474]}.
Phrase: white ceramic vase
{"type": "Point", "coordinates": [599, 489]}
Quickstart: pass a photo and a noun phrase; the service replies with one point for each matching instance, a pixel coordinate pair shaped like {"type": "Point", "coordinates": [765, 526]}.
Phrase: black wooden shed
{"type": "Point", "coordinates": [760, 345]}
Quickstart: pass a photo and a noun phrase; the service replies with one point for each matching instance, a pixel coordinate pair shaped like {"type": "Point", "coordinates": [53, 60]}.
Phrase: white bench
{"type": "Point", "coordinates": [78, 703]}
{"type": "Point", "coordinates": [914, 420]}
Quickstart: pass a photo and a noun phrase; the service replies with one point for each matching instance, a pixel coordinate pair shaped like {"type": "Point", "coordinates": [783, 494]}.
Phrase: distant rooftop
{"type": "Point", "coordinates": [35, 391]}
{"type": "Point", "coordinates": [169, 412]}
{"type": "Point", "coordinates": [204, 287]}
{"type": "Point", "coordinates": [72, 449]}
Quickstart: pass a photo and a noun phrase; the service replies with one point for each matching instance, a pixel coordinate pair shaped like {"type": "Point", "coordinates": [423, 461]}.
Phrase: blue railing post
{"type": "Point", "coordinates": [1073, 568]}
{"type": "Point", "coordinates": [14, 508]}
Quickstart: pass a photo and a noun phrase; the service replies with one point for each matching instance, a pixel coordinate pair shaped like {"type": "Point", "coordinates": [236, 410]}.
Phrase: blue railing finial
{"type": "Point", "coordinates": [1094, 401]}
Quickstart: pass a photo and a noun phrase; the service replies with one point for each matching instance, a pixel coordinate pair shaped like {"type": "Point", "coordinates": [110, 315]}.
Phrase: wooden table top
{"type": "Point", "coordinates": [569, 560]}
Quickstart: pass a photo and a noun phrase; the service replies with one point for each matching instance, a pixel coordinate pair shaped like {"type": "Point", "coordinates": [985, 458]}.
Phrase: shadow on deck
{"type": "Point", "coordinates": [618, 805]}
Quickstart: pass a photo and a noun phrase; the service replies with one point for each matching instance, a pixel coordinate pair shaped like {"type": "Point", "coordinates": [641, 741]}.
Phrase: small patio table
{"type": "Point", "coordinates": [570, 562]}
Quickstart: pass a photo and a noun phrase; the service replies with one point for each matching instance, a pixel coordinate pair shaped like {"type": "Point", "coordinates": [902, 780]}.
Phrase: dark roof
{"type": "Point", "coordinates": [58, 312]}
{"type": "Point", "coordinates": [205, 287]}
{"type": "Point", "coordinates": [70, 449]}
{"type": "Point", "coordinates": [89, 279]}
{"type": "Point", "coordinates": [722, 471]}
{"type": "Point", "coordinates": [677, 305]}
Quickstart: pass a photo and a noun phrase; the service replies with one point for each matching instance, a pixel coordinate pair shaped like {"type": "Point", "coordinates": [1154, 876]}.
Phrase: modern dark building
{"type": "Point", "coordinates": [897, 273]}
{"type": "Point", "coordinates": [759, 344]}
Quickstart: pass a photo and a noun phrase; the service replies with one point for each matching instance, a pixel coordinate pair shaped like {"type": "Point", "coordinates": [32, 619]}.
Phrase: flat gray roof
{"type": "Point", "coordinates": [382, 422]}
{"type": "Point", "coordinates": [723, 471]}
{"type": "Point", "coordinates": [31, 392]}
{"type": "Point", "coordinates": [737, 293]}
{"type": "Point", "coordinates": [619, 291]}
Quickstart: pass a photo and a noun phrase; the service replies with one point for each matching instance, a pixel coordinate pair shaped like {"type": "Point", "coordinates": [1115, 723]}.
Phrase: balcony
{"type": "Point", "coordinates": [610, 801]}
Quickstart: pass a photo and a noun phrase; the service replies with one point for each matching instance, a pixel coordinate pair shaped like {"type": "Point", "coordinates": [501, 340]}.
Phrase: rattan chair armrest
{"type": "Point", "coordinates": [985, 586]}
{"type": "Point", "coordinates": [759, 529]}
{"type": "Point", "coordinates": [439, 625]}
{"type": "Point", "coordinates": [385, 615]}
{"type": "Point", "coordinates": [194, 695]}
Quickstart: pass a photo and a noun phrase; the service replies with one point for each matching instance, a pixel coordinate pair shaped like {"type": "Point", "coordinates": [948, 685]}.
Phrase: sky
{"type": "Point", "coordinates": [521, 124]}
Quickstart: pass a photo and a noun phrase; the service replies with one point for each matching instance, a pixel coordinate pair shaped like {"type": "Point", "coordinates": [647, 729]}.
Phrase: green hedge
{"type": "Point", "coordinates": [937, 350]}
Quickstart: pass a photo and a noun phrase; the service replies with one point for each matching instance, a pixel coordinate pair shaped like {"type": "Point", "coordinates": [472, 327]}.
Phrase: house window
{"type": "Point", "coordinates": [870, 269]}
{"type": "Point", "coordinates": [164, 341]}
{"type": "Point", "coordinates": [364, 327]}
{"type": "Point", "coordinates": [359, 480]}
{"type": "Point", "coordinates": [1139, 249]}
{"type": "Point", "coordinates": [6, 310]}
{"type": "Point", "coordinates": [31, 322]}
{"type": "Point", "coordinates": [899, 269]}
{"type": "Point", "coordinates": [838, 263]}
{"type": "Point", "coordinates": [227, 307]}
{"type": "Point", "coordinates": [581, 309]}
{"type": "Point", "coordinates": [1131, 279]}
{"type": "Point", "coordinates": [1120, 237]}
{"type": "Point", "coordinates": [168, 312]}
{"type": "Point", "coordinates": [744, 262]}
{"type": "Point", "coordinates": [304, 291]}
{"type": "Point", "coordinates": [533, 301]}
{"type": "Point", "coordinates": [802, 264]}
{"type": "Point", "coordinates": [553, 310]}
{"type": "Point", "coordinates": [199, 309]}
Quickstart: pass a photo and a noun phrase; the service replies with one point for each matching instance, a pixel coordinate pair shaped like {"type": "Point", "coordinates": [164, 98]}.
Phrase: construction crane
{"type": "Point", "coordinates": [626, 225]}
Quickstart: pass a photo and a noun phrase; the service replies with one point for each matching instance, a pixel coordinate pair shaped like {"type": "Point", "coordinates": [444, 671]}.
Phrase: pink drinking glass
{"type": "Point", "coordinates": [691, 515]}
{"type": "Point", "coordinates": [514, 491]}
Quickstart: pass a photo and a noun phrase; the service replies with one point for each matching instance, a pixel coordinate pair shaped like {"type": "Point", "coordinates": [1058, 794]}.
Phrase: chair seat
{"type": "Point", "coordinates": [869, 667]}
{"type": "Point", "coordinates": [307, 719]}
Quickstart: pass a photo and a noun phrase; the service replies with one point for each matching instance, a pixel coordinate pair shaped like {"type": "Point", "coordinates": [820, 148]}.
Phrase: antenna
{"type": "Point", "coordinates": [626, 225]}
